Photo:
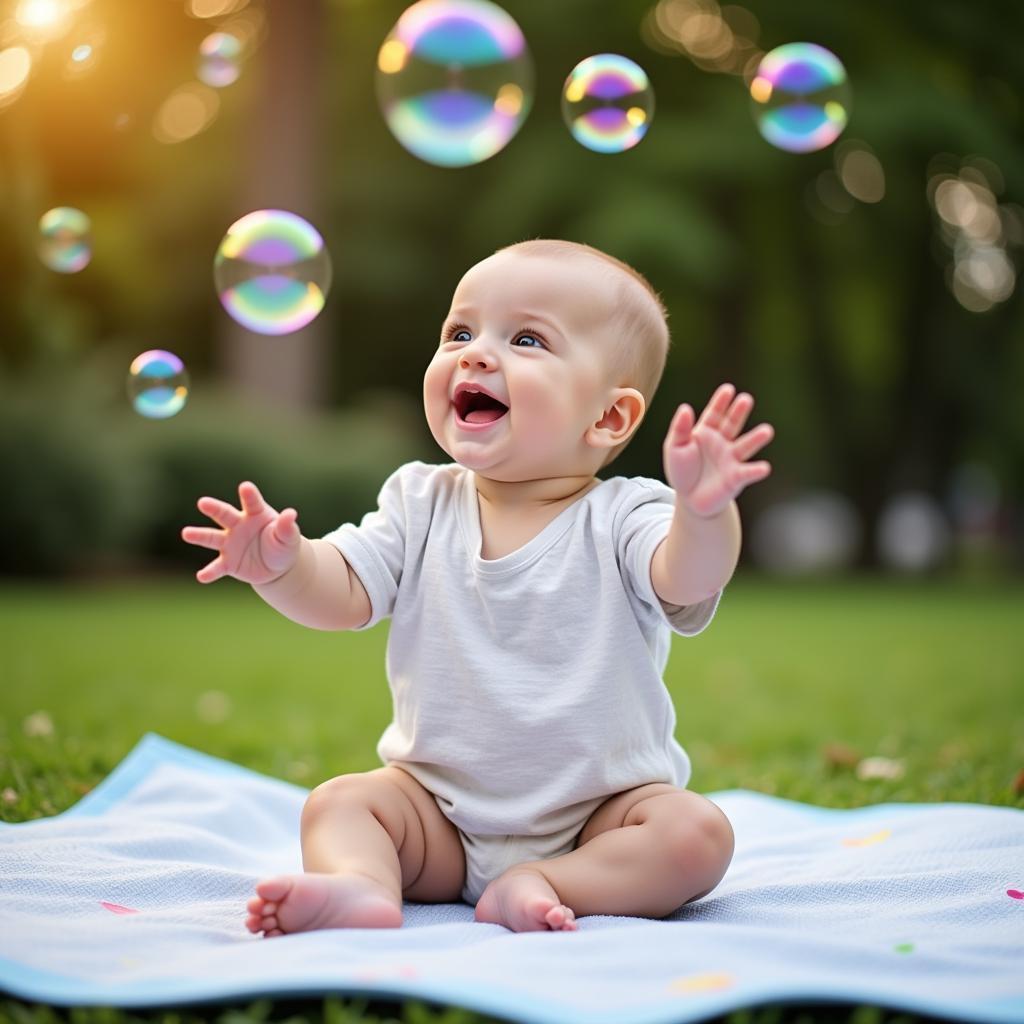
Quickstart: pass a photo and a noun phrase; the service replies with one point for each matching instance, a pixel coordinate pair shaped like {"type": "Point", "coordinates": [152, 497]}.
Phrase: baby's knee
{"type": "Point", "coordinates": [354, 789]}
{"type": "Point", "coordinates": [700, 843]}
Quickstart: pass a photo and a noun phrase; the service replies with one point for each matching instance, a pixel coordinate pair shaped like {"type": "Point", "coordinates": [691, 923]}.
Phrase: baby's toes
{"type": "Point", "coordinates": [273, 890]}
{"type": "Point", "coordinates": [560, 918]}
{"type": "Point", "coordinates": [555, 916]}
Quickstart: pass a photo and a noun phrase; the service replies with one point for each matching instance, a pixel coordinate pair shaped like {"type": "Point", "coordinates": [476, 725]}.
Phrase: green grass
{"type": "Point", "coordinates": [927, 674]}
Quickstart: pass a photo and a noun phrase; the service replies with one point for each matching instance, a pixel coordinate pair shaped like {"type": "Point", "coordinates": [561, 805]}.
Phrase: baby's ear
{"type": "Point", "coordinates": [621, 417]}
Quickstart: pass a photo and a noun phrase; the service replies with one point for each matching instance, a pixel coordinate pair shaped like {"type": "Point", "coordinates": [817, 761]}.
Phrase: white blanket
{"type": "Point", "coordinates": [136, 896]}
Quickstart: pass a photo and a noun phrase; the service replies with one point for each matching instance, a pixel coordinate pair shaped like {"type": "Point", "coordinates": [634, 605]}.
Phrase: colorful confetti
{"type": "Point", "coordinates": [1015, 894]}
{"type": "Point", "coordinates": [904, 947]}
{"type": "Point", "coordinates": [708, 982]}
{"type": "Point", "coordinates": [116, 908]}
{"type": "Point", "coordinates": [875, 837]}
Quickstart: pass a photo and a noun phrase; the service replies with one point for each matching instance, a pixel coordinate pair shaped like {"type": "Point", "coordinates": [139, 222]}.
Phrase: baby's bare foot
{"type": "Point", "coordinates": [302, 903]}
{"type": "Point", "coordinates": [522, 899]}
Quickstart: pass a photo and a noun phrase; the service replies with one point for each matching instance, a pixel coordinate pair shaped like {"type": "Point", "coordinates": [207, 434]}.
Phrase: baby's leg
{"type": "Point", "coordinates": [643, 853]}
{"type": "Point", "coordinates": [367, 839]}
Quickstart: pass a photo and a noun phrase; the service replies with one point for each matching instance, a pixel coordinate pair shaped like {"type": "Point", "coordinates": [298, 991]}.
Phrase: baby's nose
{"type": "Point", "coordinates": [477, 358]}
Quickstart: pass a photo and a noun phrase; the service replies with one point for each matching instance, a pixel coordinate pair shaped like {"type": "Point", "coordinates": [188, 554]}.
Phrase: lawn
{"type": "Point", "coordinates": [789, 686]}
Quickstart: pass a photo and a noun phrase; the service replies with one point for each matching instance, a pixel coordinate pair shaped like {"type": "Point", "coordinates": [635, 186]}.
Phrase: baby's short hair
{"type": "Point", "coordinates": [639, 320]}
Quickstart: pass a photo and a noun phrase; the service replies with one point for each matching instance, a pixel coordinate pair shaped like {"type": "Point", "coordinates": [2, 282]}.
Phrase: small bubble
{"type": "Point", "coordinates": [65, 243]}
{"type": "Point", "coordinates": [607, 103]}
{"type": "Point", "coordinates": [158, 384]}
{"type": "Point", "coordinates": [801, 97]}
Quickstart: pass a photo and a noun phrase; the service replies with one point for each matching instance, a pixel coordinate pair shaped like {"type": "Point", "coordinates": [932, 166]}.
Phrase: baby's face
{"type": "Point", "coordinates": [533, 332]}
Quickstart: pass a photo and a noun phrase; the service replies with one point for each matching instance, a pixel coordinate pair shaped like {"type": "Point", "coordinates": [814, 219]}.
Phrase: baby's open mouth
{"type": "Point", "coordinates": [476, 407]}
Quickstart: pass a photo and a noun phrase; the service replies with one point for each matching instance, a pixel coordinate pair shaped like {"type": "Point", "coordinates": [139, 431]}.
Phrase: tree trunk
{"type": "Point", "coordinates": [281, 172]}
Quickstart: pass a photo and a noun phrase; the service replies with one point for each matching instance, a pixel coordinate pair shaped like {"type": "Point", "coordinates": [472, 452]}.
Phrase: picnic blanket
{"type": "Point", "coordinates": [135, 897]}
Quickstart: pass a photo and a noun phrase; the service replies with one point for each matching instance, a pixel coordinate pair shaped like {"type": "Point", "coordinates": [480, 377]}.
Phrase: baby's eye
{"type": "Point", "coordinates": [460, 335]}
{"type": "Point", "coordinates": [528, 338]}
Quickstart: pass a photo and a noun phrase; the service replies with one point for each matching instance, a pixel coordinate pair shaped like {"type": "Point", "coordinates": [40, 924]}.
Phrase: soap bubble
{"type": "Point", "coordinates": [454, 80]}
{"type": "Point", "coordinates": [157, 384]}
{"type": "Point", "coordinates": [607, 103]}
{"type": "Point", "coordinates": [65, 243]}
{"type": "Point", "coordinates": [219, 59]}
{"type": "Point", "coordinates": [272, 272]}
{"type": "Point", "coordinates": [801, 97]}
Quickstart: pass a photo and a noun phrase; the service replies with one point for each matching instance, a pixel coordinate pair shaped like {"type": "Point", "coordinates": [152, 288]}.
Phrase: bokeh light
{"type": "Point", "coordinates": [860, 171]}
{"type": "Point", "coordinates": [220, 57]}
{"type": "Point", "coordinates": [913, 533]}
{"type": "Point", "coordinates": [65, 242]}
{"type": "Point", "coordinates": [213, 8]}
{"type": "Point", "coordinates": [801, 97]}
{"type": "Point", "coordinates": [15, 66]}
{"type": "Point", "coordinates": [43, 17]}
{"type": "Point", "coordinates": [190, 109]}
{"type": "Point", "coordinates": [811, 532]}
{"type": "Point", "coordinates": [157, 384]}
{"type": "Point", "coordinates": [978, 232]}
{"type": "Point", "coordinates": [721, 40]}
{"type": "Point", "coordinates": [454, 80]}
{"type": "Point", "coordinates": [607, 103]}
{"type": "Point", "coordinates": [272, 272]}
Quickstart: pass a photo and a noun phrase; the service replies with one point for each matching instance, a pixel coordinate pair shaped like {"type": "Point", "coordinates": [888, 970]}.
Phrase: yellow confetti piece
{"type": "Point", "coordinates": [701, 983]}
{"type": "Point", "coordinates": [876, 837]}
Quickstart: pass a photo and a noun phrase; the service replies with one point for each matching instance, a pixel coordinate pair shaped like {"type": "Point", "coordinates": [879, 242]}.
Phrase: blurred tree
{"type": "Point", "coordinates": [838, 314]}
{"type": "Point", "coordinates": [284, 169]}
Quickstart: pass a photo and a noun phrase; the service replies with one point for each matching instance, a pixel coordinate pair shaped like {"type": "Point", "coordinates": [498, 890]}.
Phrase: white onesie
{"type": "Point", "coordinates": [526, 689]}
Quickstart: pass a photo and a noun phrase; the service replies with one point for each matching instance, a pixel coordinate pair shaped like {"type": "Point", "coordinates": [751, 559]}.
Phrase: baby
{"type": "Point", "coordinates": [531, 766]}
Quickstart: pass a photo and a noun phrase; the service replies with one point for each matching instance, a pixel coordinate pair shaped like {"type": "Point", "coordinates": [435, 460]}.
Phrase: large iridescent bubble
{"type": "Point", "coordinates": [272, 272]}
{"type": "Point", "coordinates": [801, 97]}
{"type": "Point", "coordinates": [65, 242]}
{"type": "Point", "coordinates": [608, 103]}
{"type": "Point", "coordinates": [157, 384]}
{"type": "Point", "coordinates": [454, 80]}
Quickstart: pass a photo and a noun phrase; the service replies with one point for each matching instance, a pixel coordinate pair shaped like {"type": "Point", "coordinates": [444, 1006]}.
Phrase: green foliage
{"type": "Point", "coordinates": [91, 486]}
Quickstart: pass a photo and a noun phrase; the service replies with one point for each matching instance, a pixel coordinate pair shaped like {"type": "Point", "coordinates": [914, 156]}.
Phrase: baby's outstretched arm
{"type": "Point", "coordinates": [308, 581]}
{"type": "Point", "coordinates": [706, 463]}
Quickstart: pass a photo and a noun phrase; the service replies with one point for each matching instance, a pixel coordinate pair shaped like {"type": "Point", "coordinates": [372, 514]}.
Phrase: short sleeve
{"type": "Point", "coordinates": [642, 524]}
{"type": "Point", "coordinates": [375, 549]}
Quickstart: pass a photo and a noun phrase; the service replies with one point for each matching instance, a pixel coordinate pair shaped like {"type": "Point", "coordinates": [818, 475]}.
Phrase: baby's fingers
{"type": "Point", "coordinates": [213, 571]}
{"type": "Point", "coordinates": [253, 503]}
{"type": "Point", "coordinates": [681, 426]}
{"type": "Point", "coordinates": [204, 537]}
{"type": "Point", "coordinates": [219, 511]}
{"type": "Point", "coordinates": [753, 441]}
{"type": "Point", "coordinates": [286, 529]}
{"type": "Point", "coordinates": [750, 472]}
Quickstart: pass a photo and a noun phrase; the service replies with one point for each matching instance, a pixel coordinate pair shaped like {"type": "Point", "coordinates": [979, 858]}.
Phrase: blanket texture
{"type": "Point", "coordinates": [136, 897]}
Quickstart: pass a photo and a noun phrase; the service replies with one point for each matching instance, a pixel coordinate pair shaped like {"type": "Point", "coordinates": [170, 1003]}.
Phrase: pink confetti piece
{"type": "Point", "coordinates": [116, 908]}
{"type": "Point", "coordinates": [1015, 894]}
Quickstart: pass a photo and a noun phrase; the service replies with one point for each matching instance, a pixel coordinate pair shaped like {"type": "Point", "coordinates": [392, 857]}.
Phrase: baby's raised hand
{"type": "Point", "coordinates": [256, 544]}
{"type": "Point", "coordinates": [706, 461]}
